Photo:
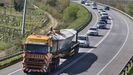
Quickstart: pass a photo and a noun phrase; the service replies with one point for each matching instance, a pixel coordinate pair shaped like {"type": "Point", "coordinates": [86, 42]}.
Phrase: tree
{"type": "Point", "coordinates": [62, 4]}
{"type": "Point", "coordinates": [70, 12]}
{"type": "Point", "coordinates": [19, 5]}
{"type": "Point", "coordinates": [130, 9]}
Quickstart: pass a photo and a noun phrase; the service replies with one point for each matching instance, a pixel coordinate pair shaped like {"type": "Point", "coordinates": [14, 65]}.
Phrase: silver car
{"type": "Point", "coordinates": [101, 25]}
{"type": "Point", "coordinates": [83, 40]}
{"type": "Point", "coordinates": [93, 31]}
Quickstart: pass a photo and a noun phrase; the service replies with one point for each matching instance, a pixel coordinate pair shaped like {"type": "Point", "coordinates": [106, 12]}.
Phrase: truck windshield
{"type": "Point", "coordinates": [35, 48]}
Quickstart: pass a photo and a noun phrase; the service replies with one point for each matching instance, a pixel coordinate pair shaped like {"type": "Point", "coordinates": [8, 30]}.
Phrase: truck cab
{"type": "Point", "coordinates": [36, 53]}
{"type": "Point", "coordinates": [42, 53]}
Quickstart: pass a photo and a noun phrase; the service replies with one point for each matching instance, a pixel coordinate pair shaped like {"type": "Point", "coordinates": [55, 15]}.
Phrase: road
{"type": "Point", "coordinates": [108, 54]}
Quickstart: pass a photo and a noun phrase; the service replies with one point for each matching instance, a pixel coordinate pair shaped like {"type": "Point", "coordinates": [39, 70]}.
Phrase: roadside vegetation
{"type": "Point", "coordinates": [10, 61]}
{"type": "Point", "coordinates": [130, 72]}
{"type": "Point", "coordinates": [10, 28]}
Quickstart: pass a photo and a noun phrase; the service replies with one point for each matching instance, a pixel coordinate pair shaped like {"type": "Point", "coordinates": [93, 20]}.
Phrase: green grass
{"type": "Point", "coordinates": [81, 15]}
{"type": "Point", "coordinates": [130, 72]}
{"type": "Point", "coordinates": [4, 45]}
{"type": "Point", "coordinates": [33, 19]}
{"type": "Point", "coordinates": [10, 61]}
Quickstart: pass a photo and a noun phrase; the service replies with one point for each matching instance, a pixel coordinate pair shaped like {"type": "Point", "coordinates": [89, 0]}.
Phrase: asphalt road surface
{"type": "Point", "coordinates": [108, 54]}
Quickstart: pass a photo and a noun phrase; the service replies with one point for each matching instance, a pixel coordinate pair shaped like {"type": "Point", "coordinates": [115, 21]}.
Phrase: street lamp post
{"type": "Point", "coordinates": [24, 18]}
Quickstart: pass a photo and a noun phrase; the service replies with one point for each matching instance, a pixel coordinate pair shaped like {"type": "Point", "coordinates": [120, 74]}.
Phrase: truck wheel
{"type": "Point", "coordinates": [54, 65]}
{"type": "Point", "coordinates": [76, 50]}
{"type": "Point", "coordinates": [25, 71]}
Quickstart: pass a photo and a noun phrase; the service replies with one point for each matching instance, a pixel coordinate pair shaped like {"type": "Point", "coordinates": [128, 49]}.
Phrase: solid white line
{"type": "Point", "coordinates": [64, 68]}
{"type": "Point", "coordinates": [14, 72]}
{"type": "Point", "coordinates": [119, 49]}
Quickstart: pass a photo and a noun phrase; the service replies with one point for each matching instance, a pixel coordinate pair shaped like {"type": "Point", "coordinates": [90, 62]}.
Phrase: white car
{"type": "Point", "coordinates": [100, 10]}
{"type": "Point", "coordinates": [93, 31]}
{"type": "Point", "coordinates": [83, 41]}
{"type": "Point", "coordinates": [87, 4]}
{"type": "Point", "coordinates": [94, 7]}
{"type": "Point", "coordinates": [101, 25]}
{"type": "Point", "coordinates": [103, 12]}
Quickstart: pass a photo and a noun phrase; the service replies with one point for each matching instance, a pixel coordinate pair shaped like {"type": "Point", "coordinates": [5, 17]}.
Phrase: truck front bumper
{"type": "Point", "coordinates": [29, 70]}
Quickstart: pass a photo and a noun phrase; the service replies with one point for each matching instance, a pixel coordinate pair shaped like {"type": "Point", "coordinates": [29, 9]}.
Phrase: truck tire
{"type": "Point", "coordinates": [76, 50]}
{"type": "Point", "coordinates": [25, 71]}
{"type": "Point", "coordinates": [54, 65]}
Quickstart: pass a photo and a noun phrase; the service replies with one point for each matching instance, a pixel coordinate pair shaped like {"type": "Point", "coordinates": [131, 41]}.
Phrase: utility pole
{"type": "Point", "coordinates": [24, 18]}
{"type": "Point", "coordinates": [5, 7]}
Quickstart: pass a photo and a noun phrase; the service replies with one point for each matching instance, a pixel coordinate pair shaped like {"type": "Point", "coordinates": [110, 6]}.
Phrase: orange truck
{"type": "Point", "coordinates": [42, 53]}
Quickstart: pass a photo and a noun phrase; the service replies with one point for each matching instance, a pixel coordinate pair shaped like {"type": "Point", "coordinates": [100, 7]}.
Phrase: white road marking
{"type": "Point", "coordinates": [119, 49]}
{"type": "Point", "coordinates": [64, 68]}
{"type": "Point", "coordinates": [14, 72]}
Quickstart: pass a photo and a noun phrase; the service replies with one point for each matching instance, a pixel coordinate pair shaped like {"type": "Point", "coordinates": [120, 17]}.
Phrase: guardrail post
{"type": "Point", "coordinates": [126, 69]}
{"type": "Point", "coordinates": [124, 73]}
{"type": "Point", "coordinates": [131, 62]}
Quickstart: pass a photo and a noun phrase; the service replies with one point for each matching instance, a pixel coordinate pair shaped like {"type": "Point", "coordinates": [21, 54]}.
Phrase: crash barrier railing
{"type": "Point", "coordinates": [127, 67]}
{"type": "Point", "coordinates": [7, 57]}
{"type": "Point", "coordinates": [82, 26]}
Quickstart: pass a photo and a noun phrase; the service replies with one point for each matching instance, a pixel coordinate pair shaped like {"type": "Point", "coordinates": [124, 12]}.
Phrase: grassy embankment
{"type": "Point", "coordinates": [130, 72]}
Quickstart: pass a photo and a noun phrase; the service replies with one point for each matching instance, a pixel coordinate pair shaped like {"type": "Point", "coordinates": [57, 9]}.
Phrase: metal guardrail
{"type": "Point", "coordinates": [127, 68]}
{"type": "Point", "coordinates": [129, 65]}
{"type": "Point", "coordinates": [8, 57]}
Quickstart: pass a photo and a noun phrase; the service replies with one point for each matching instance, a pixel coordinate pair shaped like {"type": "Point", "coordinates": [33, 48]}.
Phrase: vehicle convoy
{"type": "Point", "coordinates": [42, 53]}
